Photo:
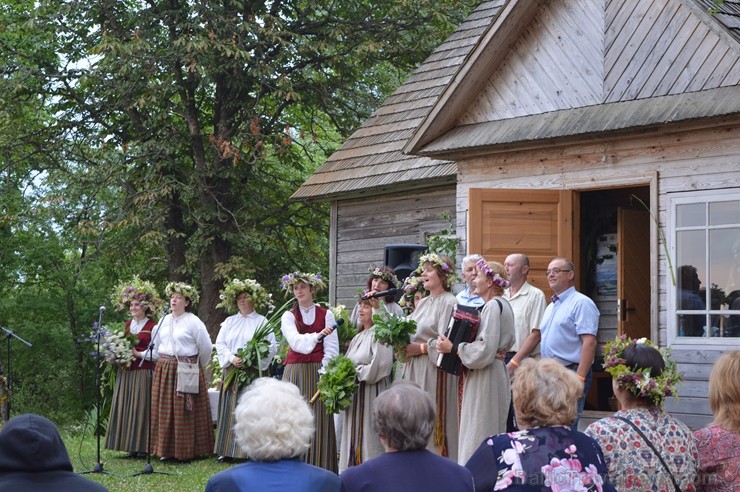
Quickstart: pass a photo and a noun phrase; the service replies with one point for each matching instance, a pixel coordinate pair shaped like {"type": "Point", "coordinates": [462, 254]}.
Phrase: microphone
{"type": "Point", "coordinates": [382, 293]}
{"type": "Point", "coordinates": [339, 323]}
{"type": "Point", "coordinates": [102, 309]}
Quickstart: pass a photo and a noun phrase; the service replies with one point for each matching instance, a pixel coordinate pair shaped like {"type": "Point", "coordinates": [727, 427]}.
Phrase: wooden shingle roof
{"type": "Point", "coordinates": [371, 160]}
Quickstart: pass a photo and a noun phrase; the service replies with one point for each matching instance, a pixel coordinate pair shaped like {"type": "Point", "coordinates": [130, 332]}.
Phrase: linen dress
{"type": "Point", "coordinates": [374, 362]}
{"type": "Point", "coordinates": [236, 331]}
{"type": "Point", "coordinates": [128, 422]}
{"type": "Point", "coordinates": [432, 316]}
{"type": "Point", "coordinates": [486, 389]}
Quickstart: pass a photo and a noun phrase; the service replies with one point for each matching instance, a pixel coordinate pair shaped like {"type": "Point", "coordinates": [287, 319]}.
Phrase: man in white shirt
{"type": "Point", "coordinates": [466, 296]}
{"type": "Point", "coordinates": [528, 303]}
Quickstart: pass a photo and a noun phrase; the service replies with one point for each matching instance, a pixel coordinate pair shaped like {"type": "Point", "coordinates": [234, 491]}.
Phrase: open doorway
{"type": "Point", "coordinates": [614, 243]}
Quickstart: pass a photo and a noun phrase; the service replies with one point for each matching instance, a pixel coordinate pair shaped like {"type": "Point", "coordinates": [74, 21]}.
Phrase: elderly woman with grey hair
{"type": "Point", "coordinates": [274, 427]}
{"type": "Point", "coordinates": [546, 454]}
{"type": "Point", "coordinates": [404, 420]}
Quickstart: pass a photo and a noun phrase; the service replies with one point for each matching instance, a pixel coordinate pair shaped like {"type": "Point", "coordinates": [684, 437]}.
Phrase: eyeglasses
{"type": "Point", "coordinates": [555, 271]}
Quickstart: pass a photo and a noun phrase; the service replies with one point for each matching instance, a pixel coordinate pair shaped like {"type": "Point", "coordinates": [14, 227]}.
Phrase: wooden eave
{"type": "Point", "coordinates": [603, 120]}
{"type": "Point", "coordinates": [491, 49]}
{"type": "Point", "coordinates": [371, 161]}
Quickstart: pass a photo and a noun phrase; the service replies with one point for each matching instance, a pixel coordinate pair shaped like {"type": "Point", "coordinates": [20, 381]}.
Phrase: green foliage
{"type": "Point", "coordinates": [444, 242]}
{"type": "Point", "coordinates": [338, 384]}
{"type": "Point", "coordinates": [256, 350]}
{"type": "Point", "coordinates": [394, 330]}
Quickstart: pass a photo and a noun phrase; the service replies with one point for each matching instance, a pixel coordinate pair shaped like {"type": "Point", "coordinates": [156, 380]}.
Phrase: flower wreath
{"type": "Point", "coordinates": [384, 274]}
{"type": "Point", "coordinates": [136, 290]}
{"type": "Point", "coordinates": [497, 279]}
{"type": "Point", "coordinates": [257, 294]}
{"type": "Point", "coordinates": [437, 260]}
{"type": "Point", "coordinates": [185, 290]}
{"type": "Point", "coordinates": [313, 279]}
{"type": "Point", "coordinates": [639, 382]}
{"type": "Point", "coordinates": [411, 285]}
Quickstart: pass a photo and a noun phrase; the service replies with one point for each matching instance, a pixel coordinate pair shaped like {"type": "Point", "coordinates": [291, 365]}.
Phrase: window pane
{"type": "Point", "coordinates": [721, 213]}
{"type": "Point", "coordinates": [690, 215]}
{"type": "Point", "coordinates": [724, 260]}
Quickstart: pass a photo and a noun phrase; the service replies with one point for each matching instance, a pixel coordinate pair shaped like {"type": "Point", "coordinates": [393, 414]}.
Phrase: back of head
{"type": "Point", "coordinates": [545, 394]}
{"type": "Point", "coordinates": [724, 391]}
{"type": "Point", "coordinates": [273, 421]}
{"type": "Point", "coordinates": [31, 443]}
{"type": "Point", "coordinates": [404, 416]}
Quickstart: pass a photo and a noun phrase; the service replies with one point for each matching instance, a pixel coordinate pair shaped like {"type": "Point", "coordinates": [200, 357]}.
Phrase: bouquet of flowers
{"type": "Point", "coordinates": [345, 332]}
{"type": "Point", "coordinates": [394, 331]}
{"type": "Point", "coordinates": [115, 345]}
{"type": "Point", "coordinates": [338, 384]}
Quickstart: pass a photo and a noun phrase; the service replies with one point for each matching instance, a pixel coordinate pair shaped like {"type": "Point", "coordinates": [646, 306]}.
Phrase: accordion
{"type": "Point", "coordinates": [462, 327]}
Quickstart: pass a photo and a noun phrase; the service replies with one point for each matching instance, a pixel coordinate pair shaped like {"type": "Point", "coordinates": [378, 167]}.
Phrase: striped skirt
{"type": "Point", "coordinates": [181, 429]}
{"type": "Point", "coordinates": [128, 422]}
{"type": "Point", "coordinates": [323, 450]}
{"type": "Point", "coordinates": [226, 444]}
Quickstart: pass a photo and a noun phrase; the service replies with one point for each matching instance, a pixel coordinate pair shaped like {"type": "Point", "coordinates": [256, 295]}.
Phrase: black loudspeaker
{"type": "Point", "coordinates": [403, 258]}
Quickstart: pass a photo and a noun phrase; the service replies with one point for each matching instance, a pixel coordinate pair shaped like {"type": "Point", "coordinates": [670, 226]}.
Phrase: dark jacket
{"type": "Point", "coordinates": [33, 458]}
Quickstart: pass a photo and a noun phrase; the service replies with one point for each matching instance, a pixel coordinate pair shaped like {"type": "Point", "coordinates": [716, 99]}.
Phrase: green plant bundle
{"type": "Point", "coordinates": [394, 330]}
{"type": "Point", "coordinates": [338, 384]}
{"type": "Point", "coordinates": [251, 354]}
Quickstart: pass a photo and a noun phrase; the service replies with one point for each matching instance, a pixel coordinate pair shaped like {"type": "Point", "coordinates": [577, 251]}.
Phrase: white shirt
{"type": "Point", "coordinates": [529, 305]}
{"type": "Point", "coordinates": [185, 335]}
{"type": "Point", "coordinates": [236, 331]}
{"type": "Point", "coordinates": [306, 342]}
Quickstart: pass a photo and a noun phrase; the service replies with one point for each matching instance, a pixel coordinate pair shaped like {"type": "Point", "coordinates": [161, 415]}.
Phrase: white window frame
{"type": "Point", "coordinates": [674, 200]}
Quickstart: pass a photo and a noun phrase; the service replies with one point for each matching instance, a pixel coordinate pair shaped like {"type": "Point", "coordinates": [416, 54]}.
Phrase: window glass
{"type": "Point", "coordinates": [707, 265]}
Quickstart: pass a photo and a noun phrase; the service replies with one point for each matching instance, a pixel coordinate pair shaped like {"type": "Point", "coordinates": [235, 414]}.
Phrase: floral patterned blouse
{"type": "Point", "coordinates": [633, 465]}
{"type": "Point", "coordinates": [719, 459]}
{"type": "Point", "coordinates": [540, 459]}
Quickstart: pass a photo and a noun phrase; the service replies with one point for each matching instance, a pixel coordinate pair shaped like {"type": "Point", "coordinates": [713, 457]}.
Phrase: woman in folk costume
{"type": "Point", "coordinates": [309, 331]}
{"type": "Point", "coordinates": [128, 422]}
{"type": "Point", "coordinates": [374, 363]}
{"type": "Point", "coordinates": [432, 315]}
{"type": "Point", "coordinates": [182, 427]}
{"type": "Point", "coordinates": [245, 298]}
{"type": "Point", "coordinates": [485, 381]}
{"type": "Point", "coordinates": [381, 279]}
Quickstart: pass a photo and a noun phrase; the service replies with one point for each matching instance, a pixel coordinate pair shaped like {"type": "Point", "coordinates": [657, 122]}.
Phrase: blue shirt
{"type": "Point", "coordinates": [465, 298]}
{"type": "Point", "coordinates": [563, 323]}
{"type": "Point", "coordinates": [274, 476]}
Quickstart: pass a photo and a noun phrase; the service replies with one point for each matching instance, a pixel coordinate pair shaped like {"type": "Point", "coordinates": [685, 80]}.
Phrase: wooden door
{"type": "Point", "coordinates": [633, 273]}
{"type": "Point", "coordinates": [538, 223]}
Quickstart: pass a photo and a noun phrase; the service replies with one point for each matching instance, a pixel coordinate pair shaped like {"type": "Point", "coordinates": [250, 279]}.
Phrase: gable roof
{"type": "Point", "coordinates": [530, 70]}
{"type": "Point", "coordinates": [371, 161]}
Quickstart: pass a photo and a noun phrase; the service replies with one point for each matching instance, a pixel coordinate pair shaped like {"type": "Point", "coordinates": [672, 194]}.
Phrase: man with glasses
{"type": "Point", "coordinates": [568, 329]}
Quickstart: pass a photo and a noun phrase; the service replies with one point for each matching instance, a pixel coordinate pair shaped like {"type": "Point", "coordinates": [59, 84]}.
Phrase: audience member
{"type": "Point", "coordinates": [568, 329]}
{"type": "Point", "coordinates": [547, 454]}
{"type": "Point", "coordinates": [404, 419]}
{"type": "Point", "coordinates": [33, 458]}
{"type": "Point", "coordinates": [645, 448]}
{"type": "Point", "coordinates": [274, 428]}
{"type": "Point", "coordinates": [718, 444]}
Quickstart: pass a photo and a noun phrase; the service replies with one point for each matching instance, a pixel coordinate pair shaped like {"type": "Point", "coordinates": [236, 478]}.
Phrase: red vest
{"type": "Point", "coordinates": [319, 323]}
{"type": "Point", "coordinates": [144, 337]}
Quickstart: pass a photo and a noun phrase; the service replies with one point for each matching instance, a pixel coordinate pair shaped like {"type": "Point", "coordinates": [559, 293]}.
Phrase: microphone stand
{"type": "Point", "coordinates": [148, 468]}
{"type": "Point", "coordinates": [98, 468]}
{"type": "Point", "coordinates": [10, 335]}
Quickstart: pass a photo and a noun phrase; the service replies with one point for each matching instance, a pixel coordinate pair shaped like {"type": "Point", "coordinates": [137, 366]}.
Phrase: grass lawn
{"type": "Point", "coordinates": [189, 477]}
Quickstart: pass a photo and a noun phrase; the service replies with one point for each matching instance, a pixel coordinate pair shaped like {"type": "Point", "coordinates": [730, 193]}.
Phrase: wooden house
{"type": "Point", "coordinates": [606, 131]}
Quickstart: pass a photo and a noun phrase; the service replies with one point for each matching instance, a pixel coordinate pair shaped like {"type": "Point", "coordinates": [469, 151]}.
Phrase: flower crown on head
{"type": "Point", "coordinates": [411, 285]}
{"type": "Point", "coordinates": [384, 274]}
{"type": "Point", "coordinates": [289, 280]}
{"type": "Point", "coordinates": [497, 279]}
{"type": "Point", "coordinates": [185, 290]}
{"type": "Point", "coordinates": [257, 294]}
{"type": "Point", "coordinates": [437, 260]}
{"type": "Point", "coordinates": [639, 382]}
{"type": "Point", "coordinates": [136, 290]}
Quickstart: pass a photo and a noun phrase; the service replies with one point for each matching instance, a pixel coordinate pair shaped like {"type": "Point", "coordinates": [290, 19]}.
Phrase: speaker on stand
{"type": "Point", "coordinates": [403, 258]}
